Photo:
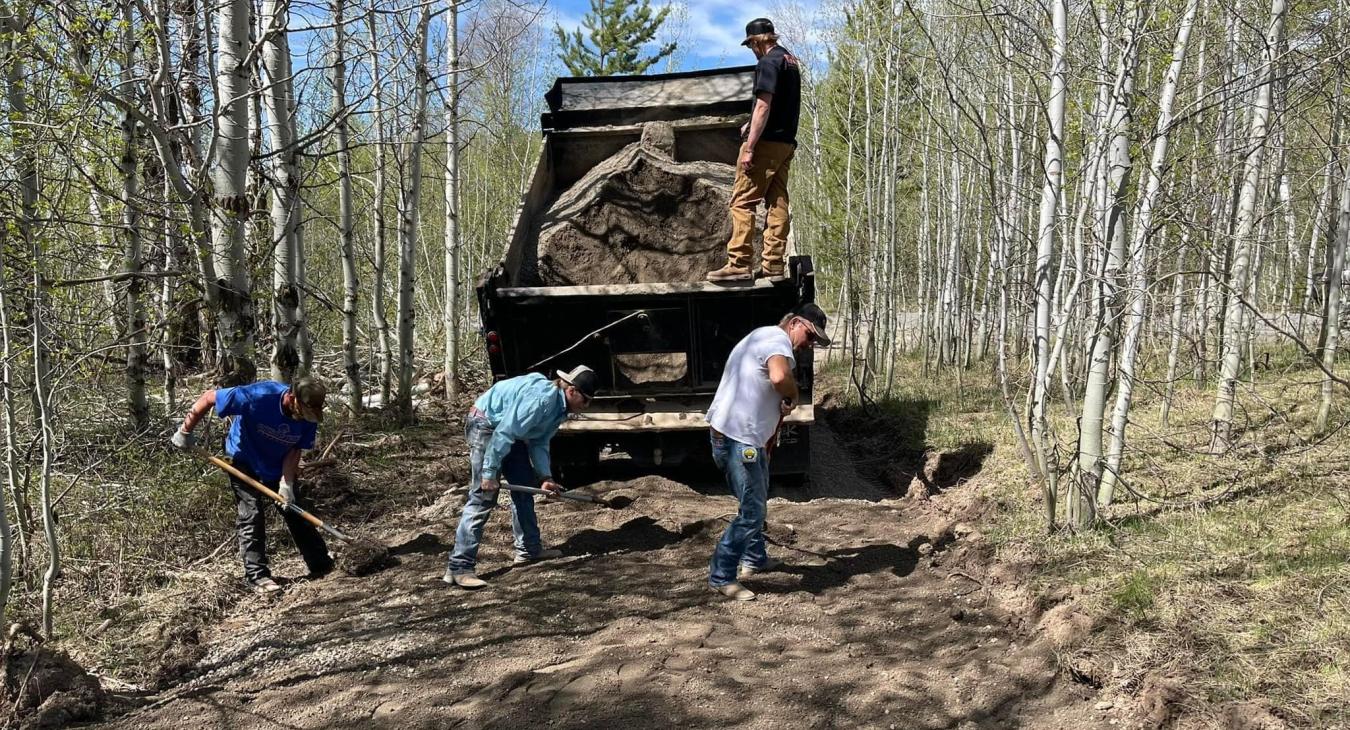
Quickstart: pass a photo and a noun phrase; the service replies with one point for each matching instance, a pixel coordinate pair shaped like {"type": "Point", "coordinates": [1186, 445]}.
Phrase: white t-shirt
{"type": "Point", "coordinates": [746, 407]}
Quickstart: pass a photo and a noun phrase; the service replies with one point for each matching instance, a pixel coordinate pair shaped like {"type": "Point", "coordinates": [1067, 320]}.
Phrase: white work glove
{"type": "Point", "coordinates": [183, 440]}
{"type": "Point", "coordinates": [287, 491]}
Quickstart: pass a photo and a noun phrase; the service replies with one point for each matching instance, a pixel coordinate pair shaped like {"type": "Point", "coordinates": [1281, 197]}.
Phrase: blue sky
{"type": "Point", "coordinates": [712, 29]}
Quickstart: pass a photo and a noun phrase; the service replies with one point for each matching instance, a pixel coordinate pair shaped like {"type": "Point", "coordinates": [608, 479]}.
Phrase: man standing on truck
{"type": "Point", "coordinates": [769, 140]}
{"type": "Point", "coordinates": [508, 432]}
{"type": "Point", "coordinates": [270, 424]}
{"type": "Point", "coordinates": [757, 391]}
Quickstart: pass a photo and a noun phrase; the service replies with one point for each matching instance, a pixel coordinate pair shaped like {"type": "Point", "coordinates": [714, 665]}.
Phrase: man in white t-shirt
{"type": "Point", "coordinates": [757, 391]}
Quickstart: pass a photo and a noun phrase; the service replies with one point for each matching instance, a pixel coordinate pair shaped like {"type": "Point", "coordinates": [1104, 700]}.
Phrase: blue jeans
{"type": "Point", "coordinates": [746, 469]}
{"type": "Point", "coordinates": [516, 469]}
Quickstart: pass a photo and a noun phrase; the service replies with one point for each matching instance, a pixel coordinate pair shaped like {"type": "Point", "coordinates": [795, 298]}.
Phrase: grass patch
{"type": "Point", "coordinates": [1135, 594]}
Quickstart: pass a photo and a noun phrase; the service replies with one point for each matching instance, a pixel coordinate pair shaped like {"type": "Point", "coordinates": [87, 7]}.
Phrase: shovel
{"type": "Point", "coordinates": [616, 503]}
{"type": "Point", "coordinates": [365, 556]}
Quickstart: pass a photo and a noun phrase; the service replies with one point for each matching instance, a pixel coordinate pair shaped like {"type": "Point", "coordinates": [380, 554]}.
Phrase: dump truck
{"type": "Point", "coordinates": [602, 284]}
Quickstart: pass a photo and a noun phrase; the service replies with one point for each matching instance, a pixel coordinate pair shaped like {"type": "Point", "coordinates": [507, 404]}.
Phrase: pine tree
{"type": "Point", "coordinates": [617, 30]}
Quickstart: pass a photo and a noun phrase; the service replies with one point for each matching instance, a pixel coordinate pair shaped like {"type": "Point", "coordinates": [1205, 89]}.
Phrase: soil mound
{"type": "Point", "coordinates": [639, 217]}
{"type": "Point", "coordinates": [45, 688]}
{"type": "Point", "coordinates": [363, 556]}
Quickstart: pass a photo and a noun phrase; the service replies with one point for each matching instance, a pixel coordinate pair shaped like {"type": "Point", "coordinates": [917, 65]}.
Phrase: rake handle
{"type": "Point", "coordinates": [230, 469]}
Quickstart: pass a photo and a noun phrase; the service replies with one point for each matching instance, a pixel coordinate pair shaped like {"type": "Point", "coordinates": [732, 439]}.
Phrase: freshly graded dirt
{"type": "Point", "coordinates": [639, 217]}
{"type": "Point", "coordinates": [886, 616]}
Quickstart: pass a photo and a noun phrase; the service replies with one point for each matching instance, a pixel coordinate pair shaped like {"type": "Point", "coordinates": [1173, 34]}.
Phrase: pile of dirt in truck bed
{"type": "Point", "coordinates": [639, 217]}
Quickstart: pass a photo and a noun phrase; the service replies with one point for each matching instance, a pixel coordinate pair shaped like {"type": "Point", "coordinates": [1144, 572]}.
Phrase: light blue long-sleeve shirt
{"type": "Point", "coordinates": [527, 408]}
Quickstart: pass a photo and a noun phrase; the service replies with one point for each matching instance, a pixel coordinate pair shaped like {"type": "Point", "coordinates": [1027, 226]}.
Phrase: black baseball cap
{"type": "Point", "coordinates": [758, 26]}
{"type": "Point", "coordinates": [582, 378]}
{"type": "Point", "coordinates": [815, 319]}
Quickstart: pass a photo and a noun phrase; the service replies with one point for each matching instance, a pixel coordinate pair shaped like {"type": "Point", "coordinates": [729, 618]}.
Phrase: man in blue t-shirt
{"type": "Point", "coordinates": [270, 424]}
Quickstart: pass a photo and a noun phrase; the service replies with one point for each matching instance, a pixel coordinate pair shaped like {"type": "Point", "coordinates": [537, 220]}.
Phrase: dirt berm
{"type": "Point", "coordinates": [639, 217]}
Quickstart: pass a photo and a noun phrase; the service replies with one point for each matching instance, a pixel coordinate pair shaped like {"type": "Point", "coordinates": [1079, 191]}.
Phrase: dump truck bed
{"type": "Point", "coordinates": [659, 347]}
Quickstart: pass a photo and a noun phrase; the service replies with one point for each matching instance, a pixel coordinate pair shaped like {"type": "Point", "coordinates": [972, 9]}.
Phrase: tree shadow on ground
{"type": "Point", "coordinates": [845, 564]}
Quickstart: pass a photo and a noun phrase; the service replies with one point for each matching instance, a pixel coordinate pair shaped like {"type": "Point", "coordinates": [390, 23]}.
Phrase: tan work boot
{"type": "Point", "coordinates": [731, 272]}
{"type": "Point", "coordinates": [464, 580]}
{"type": "Point", "coordinates": [735, 591]}
{"type": "Point", "coordinates": [546, 554]}
{"type": "Point", "coordinates": [746, 570]}
{"type": "Point", "coordinates": [265, 586]}
{"type": "Point", "coordinates": [772, 272]}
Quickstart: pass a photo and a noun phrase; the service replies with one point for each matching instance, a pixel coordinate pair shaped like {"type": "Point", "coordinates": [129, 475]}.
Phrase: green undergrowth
{"type": "Point", "coordinates": [1229, 573]}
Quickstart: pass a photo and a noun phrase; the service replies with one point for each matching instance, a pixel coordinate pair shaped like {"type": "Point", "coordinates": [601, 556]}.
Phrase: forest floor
{"type": "Point", "coordinates": [889, 613]}
{"type": "Point", "coordinates": [918, 593]}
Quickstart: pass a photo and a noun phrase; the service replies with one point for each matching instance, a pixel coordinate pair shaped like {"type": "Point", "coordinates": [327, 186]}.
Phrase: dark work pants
{"type": "Point", "coordinates": [251, 524]}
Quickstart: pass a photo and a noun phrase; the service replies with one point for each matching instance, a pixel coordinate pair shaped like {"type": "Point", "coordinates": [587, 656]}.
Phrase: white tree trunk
{"type": "Point", "coordinates": [380, 259]}
{"type": "Point", "coordinates": [1175, 323]}
{"type": "Point", "coordinates": [1045, 252]}
{"type": "Point", "coordinates": [193, 165]}
{"type": "Point", "coordinates": [452, 198]}
{"type": "Point", "coordinates": [1319, 215]}
{"type": "Point", "coordinates": [1112, 209]}
{"type": "Point", "coordinates": [1240, 273]}
{"type": "Point", "coordinates": [1331, 305]}
{"type": "Point", "coordinates": [409, 195]}
{"type": "Point", "coordinates": [9, 25]}
{"type": "Point", "coordinates": [133, 296]}
{"type": "Point", "coordinates": [351, 367]}
{"type": "Point", "coordinates": [230, 204]}
{"type": "Point", "coordinates": [1138, 255]}
{"type": "Point", "coordinates": [279, 102]}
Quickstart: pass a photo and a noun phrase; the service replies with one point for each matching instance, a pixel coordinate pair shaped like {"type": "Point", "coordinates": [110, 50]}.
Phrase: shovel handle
{"type": "Point", "coordinates": [230, 469]}
{"type": "Point", "coordinates": [564, 495]}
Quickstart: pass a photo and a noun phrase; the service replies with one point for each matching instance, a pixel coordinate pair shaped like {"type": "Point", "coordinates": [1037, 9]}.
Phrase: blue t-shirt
{"type": "Point", "coordinates": [261, 434]}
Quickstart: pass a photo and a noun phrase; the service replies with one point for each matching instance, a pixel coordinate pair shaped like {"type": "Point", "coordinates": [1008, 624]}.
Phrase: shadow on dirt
{"type": "Point", "coordinates": [424, 544]}
{"type": "Point", "coordinates": [845, 564]}
{"type": "Point", "coordinates": [636, 535]}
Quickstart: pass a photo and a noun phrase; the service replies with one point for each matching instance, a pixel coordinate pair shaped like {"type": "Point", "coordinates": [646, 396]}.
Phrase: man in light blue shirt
{"type": "Point", "coordinates": [508, 432]}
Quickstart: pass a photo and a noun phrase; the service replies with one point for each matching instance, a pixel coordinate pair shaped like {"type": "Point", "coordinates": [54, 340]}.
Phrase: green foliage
{"type": "Point", "coordinates": [617, 31]}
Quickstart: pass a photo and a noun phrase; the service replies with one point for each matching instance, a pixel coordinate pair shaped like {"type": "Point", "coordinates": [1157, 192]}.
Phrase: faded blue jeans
{"type": "Point", "coordinates": [746, 469]}
{"type": "Point", "coordinates": [515, 469]}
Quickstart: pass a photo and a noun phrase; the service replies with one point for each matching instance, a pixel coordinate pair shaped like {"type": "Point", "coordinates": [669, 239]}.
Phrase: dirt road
{"type": "Point", "coordinates": [882, 618]}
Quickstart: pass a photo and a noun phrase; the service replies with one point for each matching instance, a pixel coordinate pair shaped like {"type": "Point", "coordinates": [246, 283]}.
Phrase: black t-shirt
{"type": "Point", "coordinates": [778, 73]}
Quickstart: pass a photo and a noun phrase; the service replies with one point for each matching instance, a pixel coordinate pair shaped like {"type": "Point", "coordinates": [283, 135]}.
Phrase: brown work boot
{"type": "Point", "coordinates": [731, 272]}
{"type": "Point", "coordinates": [772, 272]}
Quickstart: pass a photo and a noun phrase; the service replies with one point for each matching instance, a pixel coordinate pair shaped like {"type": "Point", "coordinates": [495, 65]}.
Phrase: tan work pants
{"type": "Point", "coordinates": [766, 181]}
